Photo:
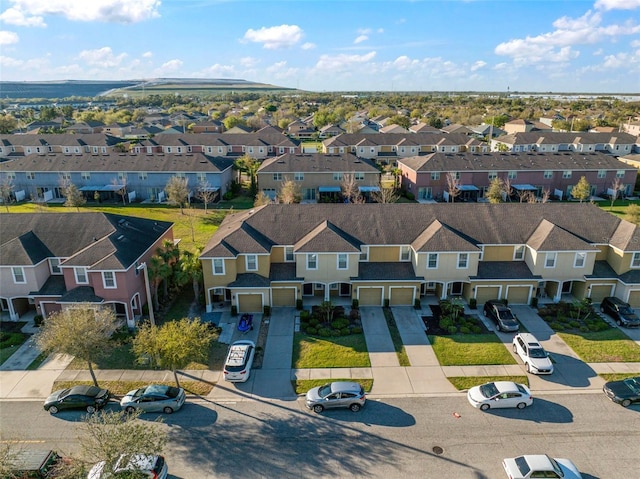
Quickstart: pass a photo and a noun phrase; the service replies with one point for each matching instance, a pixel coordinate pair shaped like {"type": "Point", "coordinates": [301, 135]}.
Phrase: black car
{"type": "Point", "coordinates": [623, 392]}
{"type": "Point", "coordinates": [501, 315]}
{"type": "Point", "coordinates": [90, 398]}
{"type": "Point", "coordinates": [620, 311]}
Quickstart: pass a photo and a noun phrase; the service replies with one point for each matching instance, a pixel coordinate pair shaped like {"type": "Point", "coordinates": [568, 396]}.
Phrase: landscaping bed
{"type": "Point", "coordinates": [398, 345]}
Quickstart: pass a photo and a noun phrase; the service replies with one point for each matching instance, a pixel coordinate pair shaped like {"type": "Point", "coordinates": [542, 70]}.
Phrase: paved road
{"type": "Point", "coordinates": [394, 438]}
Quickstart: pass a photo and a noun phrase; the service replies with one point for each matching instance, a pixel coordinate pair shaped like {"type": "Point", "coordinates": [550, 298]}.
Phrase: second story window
{"type": "Point", "coordinates": [364, 254]}
{"type": "Point", "coordinates": [518, 253]}
{"type": "Point", "coordinates": [492, 175]}
{"type": "Point", "coordinates": [277, 177]}
{"type": "Point", "coordinates": [252, 262]}
{"type": "Point", "coordinates": [298, 176]}
{"type": "Point", "coordinates": [602, 173]}
{"type": "Point", "coordinates": [566, 174]}
{"type": "Point", "coordinates": [218, 266]}
{"type": "Point", "coordinates": [343, 261]}
{"type": "Point", "coordinates": [54, 265]}
{"type": "Point", "coordinates": [85, 175]}
{"type": "Point", "coordinates": [550, 260]}
{"type": "Point", "coordinates": [435, 175]}
{"type": "Point", "coordinates": [312, 261]}
{"type": "Point", "coordinates": [432, 261]}
{"type": "Point", "coordinates": [579, 260]}
{"type": "Point", "coordinates": [405, 253]}
{"type": "Point", "coordinates": [548, 174]}
{"type": "Point", "coordinates": [30, 175]}
{"type": "Point", "coordinates": [288, 254]}
{"type": "Point", "coordinates": [337, 176]}
{"type": "Point", "coordinates": [620, 174]}
{"type": "Point", "coordinates": [463, 260]}
{"type": "Point", "coordinates": [122, 175]}
{"type": "Point", "coordinates": [81, 275]}
{"type": "Point", "coordinates": [635, 261]}
{"type": "Point", "coordinates": [513, 175]}
{"type": "Point", "coordinates": [358, 176]}
{"type": "Point", "coordinates": [109, 279]}
{"type": "Point", "coordinates": [142, 175]}
{"type": "Point", "coordinates": [18, 275]}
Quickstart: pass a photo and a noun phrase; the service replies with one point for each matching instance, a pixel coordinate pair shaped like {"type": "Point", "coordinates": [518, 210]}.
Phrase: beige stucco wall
{"type": "Point", "coordinates": [218, 280]}
{"type": "Point", "coordinates": [564, 268]}
{"type": "Point", "coordinates": [498, 253]}
{"type": "Point", "coordinates": [327, 271]}
{"type": "Point", "coordinates": [447, 269]}
{"type": "Point", "coordinates": [384, 254]}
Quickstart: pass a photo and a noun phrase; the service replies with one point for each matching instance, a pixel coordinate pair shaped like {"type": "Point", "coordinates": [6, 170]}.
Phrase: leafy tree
{"type": "Point", "coordinates": [175, 344]}
{"type": "Point", "coordinates": [502, 147]}
{"type": "Point", "coordinates": [582, 191]}
{"type": "Point", "coordinates": [289, 192]}
{"type": "Point", "coordinates": [159, 271]}
{"type": "Point", "coordinates": [6, 189]}
{"type": "Point", "coordinates": [74, 197]}
{"type": "Point", "coordinates": [250, 166]}
{"type": "Point", "coordinates": [177, 191]}
{"type": "Point", "coordinates": [494, 193]}
{"type": "Point", "coordinates": [7, 124]}
{"type": "Point", "coordinates": [231, 121]}
{"type": "Point", "coordinates": [190, 269]}
{"type": "Point", "coordinates": [434, 122]}
{"type": "Point", "coordinates": [632, 214]}
{"type": "Point", "coordinates": [400, 120]}
{"type": "Point", "coordinates": [261, 199]}
{"type": "Point", "coordinates": [82, 331]}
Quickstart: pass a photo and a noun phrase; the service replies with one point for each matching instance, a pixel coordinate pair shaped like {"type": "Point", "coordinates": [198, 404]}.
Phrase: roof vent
{"type": "Point", "coordinates": [120, 238]}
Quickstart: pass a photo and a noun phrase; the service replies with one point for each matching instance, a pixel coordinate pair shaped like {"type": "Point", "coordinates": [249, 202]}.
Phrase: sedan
{"type": "Point", "coordinates": [90, 398]}
{"type": "Point", "coordinates": [500, 314]}
{"type": "Point", "coordinates": [154, 398]}
{"type": "Point", "coordinates": [539, 465]}
{"type": "Point", "coordinates": [623, 392]}
{"type": "Point", "coordinates": [500, 394]}
{"type": "Point", "coordinates": [339, 394]}
{"type": "Point", "coordinates": [144, 466]}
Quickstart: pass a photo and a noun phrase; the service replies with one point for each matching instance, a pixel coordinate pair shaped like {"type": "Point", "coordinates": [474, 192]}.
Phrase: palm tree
{"type": "Point", "coordinates": [191, 270]}
{"type": "Point", "coordinates": [170, 254]}
{"type": "Point", "coordinates": [158, 271]}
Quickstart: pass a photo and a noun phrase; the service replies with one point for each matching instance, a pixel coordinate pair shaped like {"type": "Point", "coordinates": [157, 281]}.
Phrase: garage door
{"type": "Point", "coordinates": [485, 293]}
{"type": "Point", "coordinates": [283, 296]}
{"type": "Point", "coordinates": [370, 296]}
{"type": "Point", "coordinates": [249, 303]}
{"type": "Point", "coordinates": [401, 297]}
{"type": "Point", "coordinates": [518, 294]}
{"type": "Point", "coordinates": [634, 299]}
{"type": "Point", "coordinates": [598, 293]}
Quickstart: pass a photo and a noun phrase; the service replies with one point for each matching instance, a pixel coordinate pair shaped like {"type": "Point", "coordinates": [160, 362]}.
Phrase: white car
{"type": "Point", "coordinates": [237, 366]}
{"type": "Point", "coordinates": [147, 465]}
{"type": "Point", "coordinates": [539, 465]}
{"type": "Point", "coordinates": [535, 358]}
{"type": "Point", "coordinates": [500, 394]}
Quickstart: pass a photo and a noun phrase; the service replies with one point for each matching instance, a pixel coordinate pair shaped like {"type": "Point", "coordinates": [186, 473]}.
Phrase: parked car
{"type": "Point", "coordinates": [237, 366]}
{"type": "Point", "coordinates": [154, 398]}
{"type": "Point", "coordinates": [623, 392]}
{"type": "Point", "coordinates": [338, 394]}
{"type": "Point", "coordinates": [500, 394]}
{"type": "Point", "coordinates": [621, 312]}
{"type": "Point", "coordinates": [90, 398]}
{"type": "Point", "coordinates": [539, 465]}
{"type": "Point", "coordinates": [149, 465]}
{"type": "Point", "coordinates": [501, 314]}
{"type": "Point", "coordinates": [535, 358]}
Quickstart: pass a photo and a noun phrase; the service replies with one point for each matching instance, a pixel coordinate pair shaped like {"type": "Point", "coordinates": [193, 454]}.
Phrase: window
{"type": "Point", "coordinates": [30, 175]}
{"type": "Point", "coordinates": [635, 261]}
{"type": "Point", "coordinates": [567, 174]}
{"type": "Point", "coordinates": [54, 265]}
{"type": "Point", "coordinates": [435, 175]}
{"type": "Point", "coordinates": [180, 175]}
{"type": "Point", "coordinates": [298, 176]}
{"type": "Point", "coordinates": [550, 260]}
{"type": "Point", "coordinates": [312, 261]}
{"type": "Point", "coordinates": [277, 177]}
{"type": "Point", "coordinates": [343, 261]}
{"type": "Point", "coordinates": [288, 254]}
{"type": "Point", "coordinates": [109, 279]}
{"type": "Point", "coordinates": [251, 262]}
{"type": "Point", "coordinates": [85, 175]}
{"type": "Point", "coordinates": [11, 175]}
{"type": "Point", "coordinates": [602, 173]}
{"type": "Point", "coordinates": [463, 260]}
{"type": "Point", "coordinates": [337, 176]}
{"type": "Point", "coordinates": [455, 174]}
{"type": "Point", "coordinates": [492, 175]}
{"type": "Point", "coordinates": [578, 262]}
{"type": "Point", "coordinates": [122, 175]}
{"type": "Point", "coordinates": [81, 275]}
{"type": "Point", "coordinates": [18, 275]}
{"type": "Point", "coordinates": [548, 174]}
{"type": "Point", "coordinates": [518, 253]}
{"type": "Point", "coordinates": [364, 254]}
{"type": "Point", "coordinates": [405, 253]}
{"type": "Point", "coordinates": [218, 266]}
{"type": "Point", "coordinates": [432, 260]}
{"type": "Point", "coordinates": [512, 175]}
{"type": "Point", "coordinates": [65, 175]}
{"type": "Point", "coordinates": [620, 174]}
{"type": "Point", "coordinates": [202, 177]}
{"type": "Point", "coordinates": [358, 176]}
{"type": "Point", "coordinates": [142, 175]}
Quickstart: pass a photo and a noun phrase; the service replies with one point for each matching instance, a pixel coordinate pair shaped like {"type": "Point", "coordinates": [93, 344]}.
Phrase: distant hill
{"type": "Point", "coordinates": [160, 86]}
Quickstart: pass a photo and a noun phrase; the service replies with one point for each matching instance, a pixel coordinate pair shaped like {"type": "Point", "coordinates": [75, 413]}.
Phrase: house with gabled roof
{"type": "Point", "coordinates": [554, 141]}
{"type": "Point", "coordinates": [53, 261]}
{"type": "Point", "coordinates": [395, 254]}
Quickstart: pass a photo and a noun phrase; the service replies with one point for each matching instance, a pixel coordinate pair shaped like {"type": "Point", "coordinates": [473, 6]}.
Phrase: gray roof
{"type": "Point", "coordinates": [317, 163]}
{"type": "Point", "coordinates": [380, 139]}
{"type": "Point", "coordinates": [504, 270]}
{"type": "Point", "coordinates": [60, 139]}
{"type": "Point", "coordinates": [386, 272]}
{"type": "Point", "coordinates": [559, 137]}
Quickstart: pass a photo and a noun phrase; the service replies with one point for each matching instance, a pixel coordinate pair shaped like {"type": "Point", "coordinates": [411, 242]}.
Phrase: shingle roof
{"type": "Point", "coordinates": [517, 270]}
{"type": "Point", "coordinates": [559, 137]}
{"type": "Point", "coordinates": [386, 272]}
{"type": "Point", "coordinates": [317, 163]}
{"type": "Point", "coordinates": [549, 237]}
{"type": "Point", "coordinates": [326, 238]}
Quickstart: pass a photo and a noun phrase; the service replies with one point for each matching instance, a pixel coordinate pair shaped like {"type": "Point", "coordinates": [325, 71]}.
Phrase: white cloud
{"type": "Point", "coordinates": [147, 55]}
{"type": "Point", "coordinates": [220, 71]}
{"type": "Point", "coordinates": [249, 62]}
{"type": "Point", "coordinates": [13, 16]}
{"type": "Point", "coordinates": [364, 31]}
{"type": "Point", "coordinates": [617, 4]}
{"type": "Point", "coordinates": [360, 39]}
{"type": "Point", "coordinates": [110, 11]}
{"type": "Point", "coordinates": [7, 38]}
{"type": "Point", "coordinates": [478, 65]}
{"type": "Point", "coordinates": [8, 62]}
{"type": "Point", "coordinates": [342, 61]}
{"type": "Point", "coordinates": [102, 57]}
{"type": "Point", "coordinates": [272, 38]}
{"type": "Point", "coordinates": [308, 46]}
{"type": "Point", "coordinates": [171, 66]}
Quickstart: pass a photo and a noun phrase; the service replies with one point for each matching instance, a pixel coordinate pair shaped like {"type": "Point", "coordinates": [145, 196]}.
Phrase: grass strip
{"type": "Point", "coordinates": [120, 388]}
{"type": "Point", "coordinates": [609, 346]}
{"type": "Point", "coordinates": [398, 345]}
{"type": "Point", "coordinates": [301, 386]}
{"type": "Point", "coordinates": [617, 376]}
{"type": "Point", "coordinates": [462, 383]}
{"type": "Point", "coordinates": [334, 352]}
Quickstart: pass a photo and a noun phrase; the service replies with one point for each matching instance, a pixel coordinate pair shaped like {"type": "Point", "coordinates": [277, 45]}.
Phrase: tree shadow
{"type": "Point", "coordinates": [373, 413]}
{"type": "Point", "coordinates": [542, 411]}
{"type": "Point", "coordinates": [185, 416]}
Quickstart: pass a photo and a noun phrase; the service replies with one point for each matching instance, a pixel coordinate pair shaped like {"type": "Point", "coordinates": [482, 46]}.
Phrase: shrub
{"type": "Point", "coordinates": [476, 329]}
{"type": "Point", "coordinates": [465, 330]}
{"type": "Point", "coordinates": [354, 315]}
{"type": "Point", "coordinates": [340, 323]}
{"type": "Point", "coordinates": [335, 333]}
{"type": "Point", "coordinates": [386, 302]}
{"type": "Point", "coordinates": [557, 326]}
{"type": "Point", "coordinates": [575, 324]}
{"type": "Point", "coordinates": [228, 196]}
{"type": "Point", "coordinates": [311, 330]}
{"type": "Point", "coordinates": [356, 330]}
{"type": "Point", "coordinates": [446, 323]}
{"type": "Point", "coordinates": [267, 310]}
{"type": "Point", "coordinates": [299, 304]}
{"type": "Point", "coordinates": [452, 329]}
{"type": "Point", "coordinates": [534, 302]}
{"type": "Point", "coordinates": [304, 315]}
{"type": "Point", "coordinates": [234, 310]}
{"type": "Point", "coordinates": [38, 319]}
{"type": "Point", "coordinates": [416, 304]}
{"type": "Point", "coordinates": [345, 332]}
{"type": "Point", "coordinates": [473, 303]}
{"type": "Point", "coordinates": [355, 303]}
{"type": "Point", "coordinates": [314, 322]}
{"type": "Point", "coordinates": [324, 332]}
{"type": "Point", "coordinates": [410, 196]}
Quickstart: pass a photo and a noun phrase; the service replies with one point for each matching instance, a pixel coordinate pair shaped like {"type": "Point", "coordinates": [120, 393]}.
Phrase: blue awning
{"type": "Point", "coordinates": [369, 188]}
{"type": "Point", "coordinates": [524, 187]}
{"type": "Point", "coordinates": [329, 189]}
{"type": "Point", "coordinates": [468, 188]}
{"type": "Point", "coordinates": [102, 188]}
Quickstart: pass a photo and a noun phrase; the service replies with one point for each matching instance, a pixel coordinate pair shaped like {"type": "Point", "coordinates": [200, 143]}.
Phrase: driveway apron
{"type": "Point", "coordinates": [376, 333]}
{"type": "Point", "coordinates": [414, 337]}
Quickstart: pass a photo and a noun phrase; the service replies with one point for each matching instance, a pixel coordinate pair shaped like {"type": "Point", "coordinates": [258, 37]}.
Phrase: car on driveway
{"type": "Point", "coordinates": [139, 465]}
{"type": "Point", "coordinates": [539, 465]}
{"type": "Point", "coordinates": [500, 394]}
{"type": "Point", "coordinates": [621, 312]}
{"type": "Point", "coordinates": [624, 392]}
{"type": "Point", "coordinates": [535, 358]}
{"type": "Point", "coordinates": [154, 398]}
{"type": "Point", "coordinates": [501, 314]}
{"type": "Point", "coordinates": [338, 394]}
{"type": "Point", "coordinates": [89, 398]}
{"type": "Point", "coordinates": [237, 366]}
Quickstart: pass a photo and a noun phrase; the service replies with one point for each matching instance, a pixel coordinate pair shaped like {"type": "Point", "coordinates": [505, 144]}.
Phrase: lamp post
{"type": "Point", "coordinates": [143, 267]}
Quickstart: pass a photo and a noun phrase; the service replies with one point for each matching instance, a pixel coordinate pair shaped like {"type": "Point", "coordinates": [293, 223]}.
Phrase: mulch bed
{"type": "Point", "coordinates": [11, 326]}
{"type": "Point", "coordinates": [433, 322]}
{"type": "Point", "coordinates": [261, 342]}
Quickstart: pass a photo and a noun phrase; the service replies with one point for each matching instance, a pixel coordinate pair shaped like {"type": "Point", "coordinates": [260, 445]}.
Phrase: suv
{"type": "Point", "coordinates": [237, 366]}
{"type": "Point", "coordinates": [620, 311]}
{"type": "Point", "coordinates": [534, 357]}
{"type": "Point", "coordinates": [338, 394]}
{"type": "Point", "coordinates": [500, 314]}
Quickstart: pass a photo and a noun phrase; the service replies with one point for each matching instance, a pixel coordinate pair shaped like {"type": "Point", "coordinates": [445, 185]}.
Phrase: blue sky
{"type": "Point", "coordinates": [330, 45]}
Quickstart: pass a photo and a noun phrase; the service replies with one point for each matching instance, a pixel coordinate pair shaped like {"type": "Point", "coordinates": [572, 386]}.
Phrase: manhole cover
{"type": "Point", "coordinates": [437, 450]}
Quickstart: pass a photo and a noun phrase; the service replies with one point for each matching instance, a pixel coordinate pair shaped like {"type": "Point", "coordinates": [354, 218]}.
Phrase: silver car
{"type": "Point", "coordinates": [139, 465]}
{"type": "Point", "coordinates": [339, 394]}
{"type": "Point", "coordinates": [154, 398]}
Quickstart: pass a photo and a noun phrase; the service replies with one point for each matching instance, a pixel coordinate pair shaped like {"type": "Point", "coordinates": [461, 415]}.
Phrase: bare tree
{"type": "Point", "coordinates": [507, 188]}
{"type": "Point", "coordinates": [205, 193]}
{"type": "Point", "coordinates": [350, 189]}
{"type": "Point", "coordinates": [385, 195]}
{"type": "Point", "coordinates": [121, 184]}
{"type": "Point", "coordinates": [616, 187]}
{"type": "Point", "coordinates": [6, 189]}
{"type": "Point", "coordinates": [261, 199]}
{"type": "Point", "coordinates": [74, 197]}
{"type": "Point", "coordinates": [453, 186]}
{"type": "Point", "coordinates": [177, 191]}
{"type": "Point", "coordinates": [289, 192]}
{"type": "Point", "coordinates": [531, 197]}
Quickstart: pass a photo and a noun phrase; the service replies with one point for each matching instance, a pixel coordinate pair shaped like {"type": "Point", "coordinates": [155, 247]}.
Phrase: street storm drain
{"type": "Point", "coordinates": [437, 450]}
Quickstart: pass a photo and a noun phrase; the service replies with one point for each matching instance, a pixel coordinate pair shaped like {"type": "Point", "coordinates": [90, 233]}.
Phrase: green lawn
{"type": "Point", "coordinates": [611, 345]}
{"type": "Point", "coordinates": [340, 352]}
{"type": "Point", "coordinates": [396, 338]}
{"type": "Point", "coordinates": [617, 376]}
{"type": "Point", "coordinates": [470, 349]}
{"type": "Point", "coordinates": [301, 386]}
{"type": "Point", "coordinates": [462, 383]}
{"type": "Point", "coordinates": [9, 342]}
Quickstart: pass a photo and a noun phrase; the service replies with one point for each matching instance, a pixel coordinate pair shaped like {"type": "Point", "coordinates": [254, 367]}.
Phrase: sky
{"type": "Point", "coordinates": [331, 45]}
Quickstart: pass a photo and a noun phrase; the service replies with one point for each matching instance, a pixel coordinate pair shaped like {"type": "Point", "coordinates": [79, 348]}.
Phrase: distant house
{"type": "Point", "coordinates": [328, 131]}
{"type": "Point", "coordinates": [518, 126]}
{"type": "Point", "coordinates": [393, 129]}
{"type": "Point", "coordinates": [211, 126]}
{"type": "Point", "coordinates": [613, 143]}
{"type": "Point", "coordinates": [423, 128]}
{"type": "Point", "coordinates": [458, 129]}
{"type": "Point", "coordinates": [85, 127]}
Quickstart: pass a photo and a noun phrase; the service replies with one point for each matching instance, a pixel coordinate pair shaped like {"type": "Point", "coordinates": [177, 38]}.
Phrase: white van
{"type": "Point", "coordinates": [237, 366]}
